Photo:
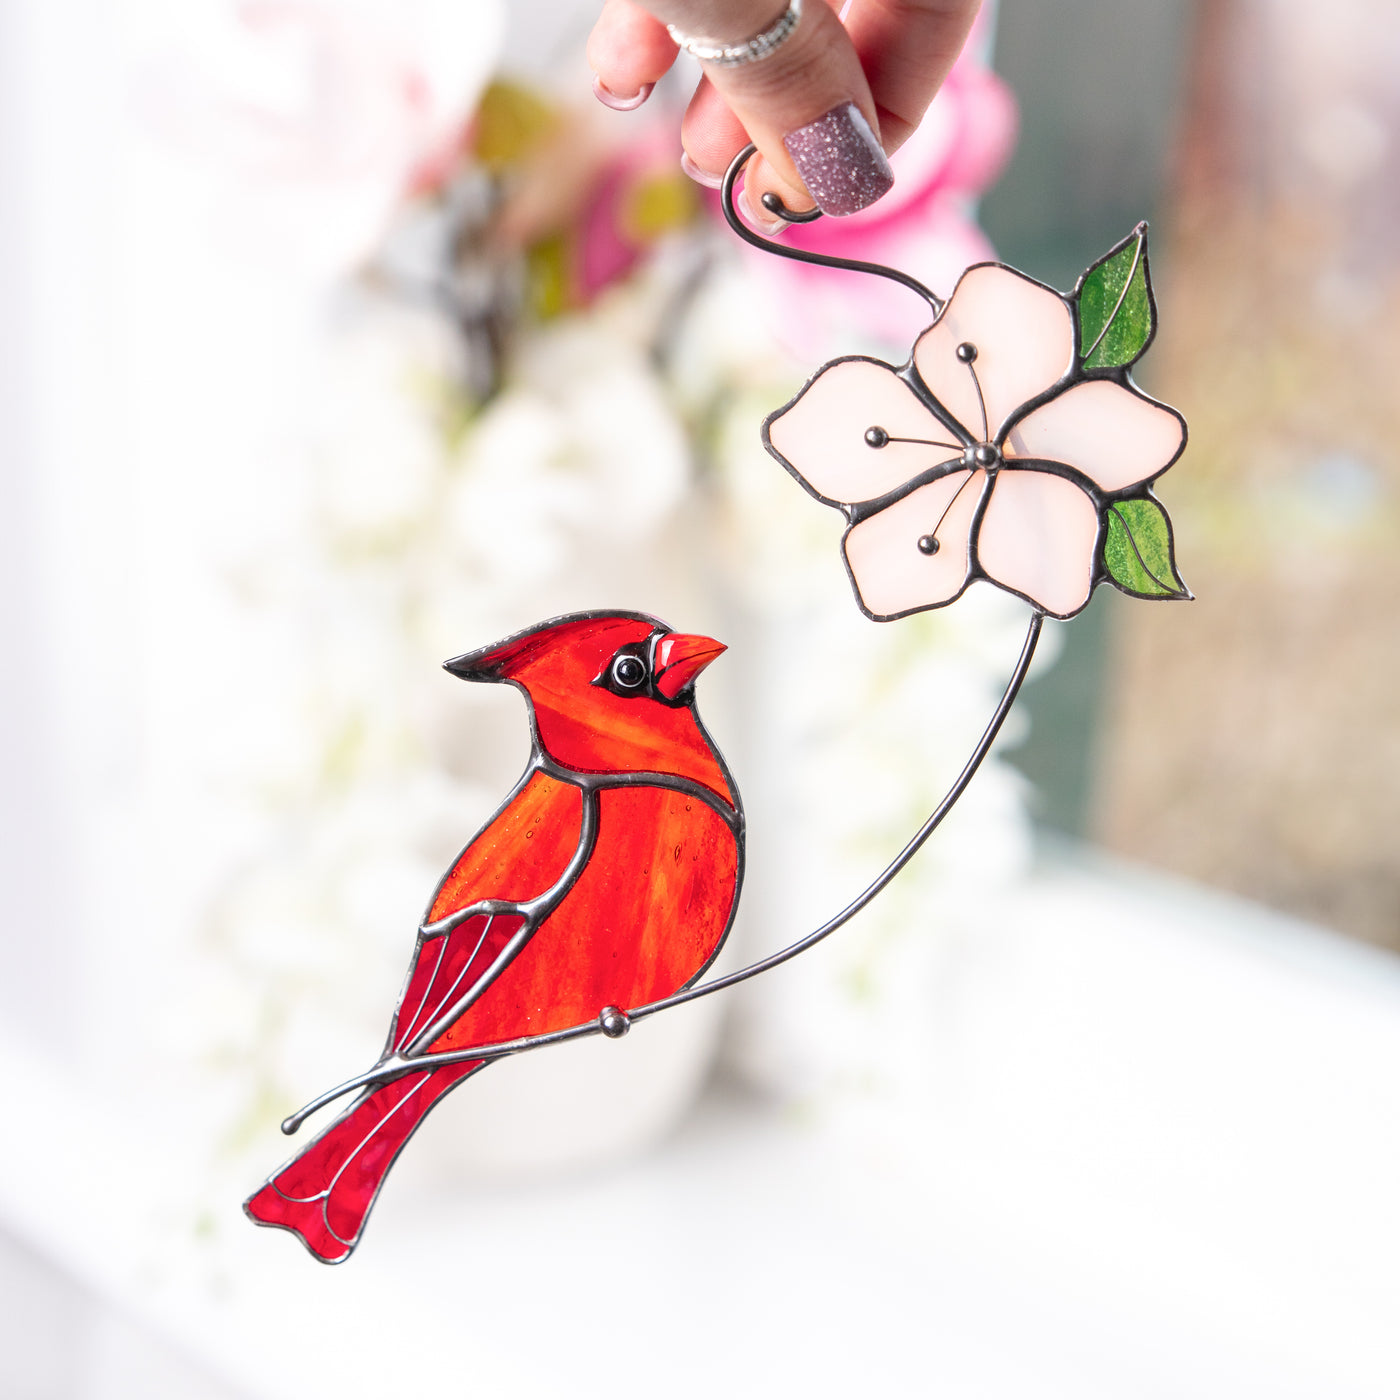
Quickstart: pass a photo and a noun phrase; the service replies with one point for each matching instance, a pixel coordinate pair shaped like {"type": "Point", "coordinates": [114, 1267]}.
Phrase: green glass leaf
{"type": "Point", "coordinates": [1116, 316]}
{"type": "Point", "coordinates": [1137, 550]}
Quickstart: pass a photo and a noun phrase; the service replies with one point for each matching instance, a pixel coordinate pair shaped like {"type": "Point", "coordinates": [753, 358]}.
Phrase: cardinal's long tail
{"type": "Point", "coordinates": [326, 1191]}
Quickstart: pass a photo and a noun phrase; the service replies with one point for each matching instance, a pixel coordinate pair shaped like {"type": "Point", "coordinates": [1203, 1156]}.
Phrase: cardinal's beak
{"type": "Point", "coordinates": [681, 657]}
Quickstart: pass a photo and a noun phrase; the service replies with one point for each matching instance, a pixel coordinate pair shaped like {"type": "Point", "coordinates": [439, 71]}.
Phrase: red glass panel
{"type": "Point", "coordinates": [325, 1194]}
{"type": "Point", "coordinates": [448, 968]}
{"type": "Point", "coordinates": [583, 726]}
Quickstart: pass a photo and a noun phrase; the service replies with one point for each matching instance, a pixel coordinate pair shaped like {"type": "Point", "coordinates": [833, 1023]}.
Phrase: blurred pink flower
{"type": "Point", "coordinates": [640, 197]}
{"type": "Point", "coordinates": [923, 226]}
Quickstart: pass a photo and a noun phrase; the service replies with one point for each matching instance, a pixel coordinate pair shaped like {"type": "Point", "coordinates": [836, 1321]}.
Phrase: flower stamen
{"type": "Point", "coordinates": [929, 543]}
{"type": "Point", "coordinates": [877, 437]}
{"type": "Point", "coordinates": [967, 353]}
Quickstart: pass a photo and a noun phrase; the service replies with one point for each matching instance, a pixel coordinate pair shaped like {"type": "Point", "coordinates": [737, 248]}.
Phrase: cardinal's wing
{"type": "Point", "coordinates": [523, 851]}
{"type": "Point", "coordinates": [644, 916]}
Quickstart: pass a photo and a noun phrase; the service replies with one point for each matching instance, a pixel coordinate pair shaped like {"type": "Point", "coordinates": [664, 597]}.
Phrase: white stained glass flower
{"type": "Point", "coordinates": [1013, 447]}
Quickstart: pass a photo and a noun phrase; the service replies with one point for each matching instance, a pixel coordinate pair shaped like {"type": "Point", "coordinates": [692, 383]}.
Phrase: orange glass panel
{"type": "Point", "coordinates": [523, 851]}
{"type": "Point", "coordinates": [646, 916]}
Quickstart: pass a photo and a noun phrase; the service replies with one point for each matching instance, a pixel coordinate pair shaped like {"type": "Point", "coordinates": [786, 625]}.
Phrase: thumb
{"type": "Point", "coordinates": [806, 105]}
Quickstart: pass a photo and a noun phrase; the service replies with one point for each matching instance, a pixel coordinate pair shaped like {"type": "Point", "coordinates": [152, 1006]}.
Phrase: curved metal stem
{"type": "Point", "coordinates": [781, 250]}
{"type": "Point", "coordinates": [396, 1066]}
{"type": "Point", "coordinates": [989, 734]}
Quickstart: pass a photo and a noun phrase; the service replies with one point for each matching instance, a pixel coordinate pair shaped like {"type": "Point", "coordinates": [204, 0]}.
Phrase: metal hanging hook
{"type": "Point", "coordinates": [779, 210]}
{"type": "Point", "coordinates": [775, 206]}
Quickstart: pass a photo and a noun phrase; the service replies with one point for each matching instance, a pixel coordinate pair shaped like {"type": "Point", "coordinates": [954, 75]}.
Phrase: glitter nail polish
{"type": "Point", "coordinates": [609, 98]}
{"type": "Point", "coordinates": [840, 161]}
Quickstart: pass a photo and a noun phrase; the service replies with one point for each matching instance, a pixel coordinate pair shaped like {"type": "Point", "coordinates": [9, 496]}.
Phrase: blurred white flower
{"type": "Point", "coordinates": [307, 120]}
{"type": "Point", "coordinates": [378, 449]}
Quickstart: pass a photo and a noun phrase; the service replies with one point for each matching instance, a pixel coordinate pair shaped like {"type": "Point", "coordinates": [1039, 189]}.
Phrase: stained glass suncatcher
{"type": "Point", "coordinates": [607, 879]}
{"type": "Point", "coordinates": [1013, 448]}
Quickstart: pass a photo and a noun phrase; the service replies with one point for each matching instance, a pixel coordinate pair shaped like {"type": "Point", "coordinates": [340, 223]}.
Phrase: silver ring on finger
{"type": "Point", "coordinates": [750, 50]}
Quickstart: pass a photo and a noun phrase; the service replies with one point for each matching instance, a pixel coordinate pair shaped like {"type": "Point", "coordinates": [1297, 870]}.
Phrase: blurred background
{"type": "Point", "coordinates": [343, 337]}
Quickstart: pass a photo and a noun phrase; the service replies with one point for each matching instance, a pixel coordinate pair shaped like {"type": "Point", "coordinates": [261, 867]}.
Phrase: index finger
{"type": "Point", "coordinates": [907, 48]}
{"type": "Point", "coordinates": [804, 101]}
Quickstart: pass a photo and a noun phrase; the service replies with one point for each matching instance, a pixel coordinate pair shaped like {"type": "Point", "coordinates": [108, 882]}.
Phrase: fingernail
{"type": "Point", "coordinates": [701, 177]}
{"type": "Point", "coordinates": [609, 98]}
{"type": "Point", "coordinates": [840, 161]}
{"type": "Point", "coordinates": [764, 222]}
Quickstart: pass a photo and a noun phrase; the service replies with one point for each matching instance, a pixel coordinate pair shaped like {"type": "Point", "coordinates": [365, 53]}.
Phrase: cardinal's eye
{"type": "Point", "coordinates": [628, 671]}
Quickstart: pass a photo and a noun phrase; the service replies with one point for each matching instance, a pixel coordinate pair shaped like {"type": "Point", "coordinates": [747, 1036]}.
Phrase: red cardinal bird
{"type": "Point", "coordinates": [607, 879]}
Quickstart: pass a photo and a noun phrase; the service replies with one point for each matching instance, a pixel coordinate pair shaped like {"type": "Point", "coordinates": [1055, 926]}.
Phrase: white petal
{"type": "Point", "coordinates": [821, 434]}
{"type": "Point", "coordinates": [1024, 337]}
{"type": "Point", "coordinates": [1116, 437]}
{"type": "Point", "coordinates": [893, 575]}
{"type": "Point", "coordinates": [1038, 538]}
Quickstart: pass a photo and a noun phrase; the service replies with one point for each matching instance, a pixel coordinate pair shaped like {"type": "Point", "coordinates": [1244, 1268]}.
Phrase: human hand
{"type": "Point", "coordinates": [824, 108]}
